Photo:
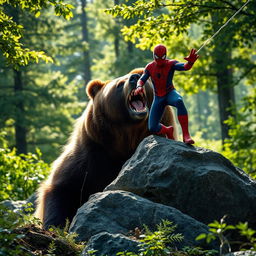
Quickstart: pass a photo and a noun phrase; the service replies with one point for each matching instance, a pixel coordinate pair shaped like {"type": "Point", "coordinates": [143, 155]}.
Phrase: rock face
{"type": "Point", "coordinates": [110, 244]}
{"type": "Point", "coordinates": [166, 179]}
{"type": "Point", "coordinates": [198, 182]}
{"type": "Point", "coordinates": [119, 212]}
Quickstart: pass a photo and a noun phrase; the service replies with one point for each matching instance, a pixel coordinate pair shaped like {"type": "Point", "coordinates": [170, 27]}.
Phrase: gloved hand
{"type": "Point", "coordinates": [138, 90]}
{"type": "Point", "coordinates": [192, 56]}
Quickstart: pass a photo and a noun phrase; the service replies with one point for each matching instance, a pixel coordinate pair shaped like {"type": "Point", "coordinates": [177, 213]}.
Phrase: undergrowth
{"type": "Point", "coordinates": [163, 242]}
{"type": "Point", "coordinates": [21, 174]}
{"type": "Point", "coordinates": [218, 230]}
{"type": "Point", "coordinates": [21, 235]}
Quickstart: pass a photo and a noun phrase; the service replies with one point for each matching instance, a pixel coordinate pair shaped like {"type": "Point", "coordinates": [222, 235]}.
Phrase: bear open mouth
{"type": "Point", "coordinates": [137, 103]}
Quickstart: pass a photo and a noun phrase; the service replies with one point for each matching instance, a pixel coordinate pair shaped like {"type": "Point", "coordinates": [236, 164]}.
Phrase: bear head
{"type": "Point", "coordinates": [117, 101]}
{"type": "Point", "coordinates": [115, 116]}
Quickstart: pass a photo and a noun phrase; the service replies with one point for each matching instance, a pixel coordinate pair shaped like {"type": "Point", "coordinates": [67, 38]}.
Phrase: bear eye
{"type": "Point", "coordinates": [120, 84]}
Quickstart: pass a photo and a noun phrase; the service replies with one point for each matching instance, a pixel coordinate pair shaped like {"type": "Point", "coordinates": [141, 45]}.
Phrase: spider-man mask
{"type": "Point", "coordinates": [159, 54]}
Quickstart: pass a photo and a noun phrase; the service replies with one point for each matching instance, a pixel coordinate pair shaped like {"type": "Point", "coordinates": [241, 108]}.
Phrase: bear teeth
{"type": "Point", "coordinates": [137, 102]}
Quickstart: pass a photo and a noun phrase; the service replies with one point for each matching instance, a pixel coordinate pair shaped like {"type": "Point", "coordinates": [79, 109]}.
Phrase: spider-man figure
{"type": "Point", "coordinates": [161, 71]}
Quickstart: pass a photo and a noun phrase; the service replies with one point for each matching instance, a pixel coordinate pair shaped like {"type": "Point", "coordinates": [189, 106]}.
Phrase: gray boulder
{"type": "Point", "coordinates": [201, 183]}
{"type": "Point", "coordinates": [110, 244]}
{"type": "Point", "coordinates": [119, 212]}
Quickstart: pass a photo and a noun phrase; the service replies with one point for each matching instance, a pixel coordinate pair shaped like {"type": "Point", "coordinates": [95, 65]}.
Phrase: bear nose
{"type": "Point", "coordinates": [134, 78]}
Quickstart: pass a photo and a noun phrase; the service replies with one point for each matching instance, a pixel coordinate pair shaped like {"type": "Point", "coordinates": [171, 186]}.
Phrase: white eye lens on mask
{"type": "Point", "coordinates": [163, 58]}
{"type": "Point", "coordinates": [156, 57]}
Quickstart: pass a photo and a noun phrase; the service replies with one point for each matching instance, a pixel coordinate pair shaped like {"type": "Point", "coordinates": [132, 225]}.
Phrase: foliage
{"type": "Point", "coordinates": [196, 251]}
{"type": "Point", "coordinates": [159, 20]}
{"type": "Point", "coordinates": [14, 226]}
{"type": "Point", "coordinates": [19, 174]}
{"type": "Point", "coordinates": [111, 55]}
{"type": "Point", "coordinates": [46, 101]}
{"type": "Point", "coordinates": [10, 220]}
{"type": "Point", "coordinates": [162, 242]}
{"type": "Point", "coordinates": [69, 237]}
{"type": "Point", "coordinates": [241, 146]}
{"type": "Point", "coordinates": [12, 32]}
{"type": "Point", "coordinates": [219, 229]}
{"type": "Point", "coordinates": [204, 122]}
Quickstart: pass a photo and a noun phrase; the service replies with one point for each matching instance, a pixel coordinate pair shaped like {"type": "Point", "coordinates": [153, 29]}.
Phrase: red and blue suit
{"type": "Point", "coordinates": [161, 72]}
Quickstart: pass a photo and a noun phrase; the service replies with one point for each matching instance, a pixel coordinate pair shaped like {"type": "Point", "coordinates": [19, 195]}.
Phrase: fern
{"type": "Point", "coordinates": [160, 242]}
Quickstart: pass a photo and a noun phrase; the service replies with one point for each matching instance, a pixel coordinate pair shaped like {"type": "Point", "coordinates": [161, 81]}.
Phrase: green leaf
{"type": "Point", "coordinates": [37, 14]}
{"type": "Point", "coordinates": [201, 236]}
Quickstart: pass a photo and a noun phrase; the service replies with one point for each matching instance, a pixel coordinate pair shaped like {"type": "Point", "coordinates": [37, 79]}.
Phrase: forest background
{"type": "Point", "coordinates": [46, 62]}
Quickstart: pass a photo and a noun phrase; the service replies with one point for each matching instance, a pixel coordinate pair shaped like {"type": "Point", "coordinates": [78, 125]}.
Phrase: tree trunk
{"type": "Point", "coordinates": [130, 47]}
{"type": "Point", "coordinates": [222, 58]}
{"type": "Point", "coordinates": [116, 35]}
{"type": "Point", "coordinates": [199, 112]}
{"type": "Point", "coordinates": [226, 99]}
{"type": "Point", "coordinates": [85, 39]}
{"type": "Point", "coordinates": [20, 128]}
{"type": "Point", "coordinates": [116, 46]}
{"type": "Point", "coordinates": [20, 123]}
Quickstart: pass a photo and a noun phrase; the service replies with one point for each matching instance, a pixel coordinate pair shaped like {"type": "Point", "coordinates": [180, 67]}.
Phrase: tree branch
{"type": "Point", "coordinates": [233, 7]}
{"type": "Point", "coordinates": [253, 66]}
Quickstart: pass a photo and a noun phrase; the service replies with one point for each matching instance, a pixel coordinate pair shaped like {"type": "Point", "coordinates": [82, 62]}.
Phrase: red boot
{"type": "Point", "coordinates": [183, 119]}
{"type": "Point", "coordinates": [167, 131]}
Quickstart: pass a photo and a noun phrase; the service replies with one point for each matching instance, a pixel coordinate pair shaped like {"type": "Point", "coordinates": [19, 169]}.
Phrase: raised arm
{"type": "Point", "coordinates": [191, 59]}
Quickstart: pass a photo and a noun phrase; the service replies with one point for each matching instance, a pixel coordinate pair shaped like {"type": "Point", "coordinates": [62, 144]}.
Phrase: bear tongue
{"type": "Point", "coordinates": [138, 105]}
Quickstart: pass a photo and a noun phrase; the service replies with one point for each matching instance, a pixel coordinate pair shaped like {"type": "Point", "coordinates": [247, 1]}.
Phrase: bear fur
{"type": "Point", "coordinates": [104, 137]}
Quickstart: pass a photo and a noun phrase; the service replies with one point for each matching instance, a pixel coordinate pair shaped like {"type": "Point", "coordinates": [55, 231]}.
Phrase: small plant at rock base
{"type": "Point", "coordinates": [157, 243]}
{"type": "Point", "coordinates": [51, 249]}
{"type": "Point", "coordinates": [197, 251]}
{"type": "Point", "coordinates": [249, 234]}
{"type": "Point", "coordinates": [219, 229]}
{"type": "Point", "coordinates": [67, 236]}
{"type": "Point", "coordinates": [163, 243]}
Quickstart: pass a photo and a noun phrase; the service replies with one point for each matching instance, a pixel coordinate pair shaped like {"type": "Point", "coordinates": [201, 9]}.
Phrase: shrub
{"type": "Point", "coordinates": [163, 241]}
{"type": "Point", "coordinates": [19, 174]}
{"type": "Point", "coordinates": [20, 235]}
{"type": "Point", "coordinates": [240, 148]}
{"type": "Point", "coordinates": [219, 229]}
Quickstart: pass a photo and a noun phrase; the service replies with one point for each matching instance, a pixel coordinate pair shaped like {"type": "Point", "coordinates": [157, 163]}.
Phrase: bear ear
{"type": "Point", "coordinates": [93, 87]}
{"type": "Point", "coordinates": [137, 71]}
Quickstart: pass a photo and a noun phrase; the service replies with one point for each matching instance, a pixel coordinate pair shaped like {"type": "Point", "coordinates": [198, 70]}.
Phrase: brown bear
{"type": "Point", "coordinates": [104, 137]}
